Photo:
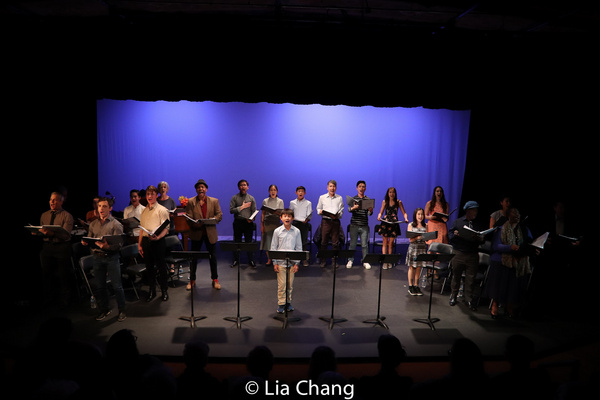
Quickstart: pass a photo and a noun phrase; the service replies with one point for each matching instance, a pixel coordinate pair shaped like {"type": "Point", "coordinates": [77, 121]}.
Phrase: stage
{"type": "Point", "coordinates": [162, 332]}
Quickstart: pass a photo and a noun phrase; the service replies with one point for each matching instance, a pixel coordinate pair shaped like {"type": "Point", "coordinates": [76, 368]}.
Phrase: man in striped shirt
{"type": "Point", "coordinates": [359, 224]}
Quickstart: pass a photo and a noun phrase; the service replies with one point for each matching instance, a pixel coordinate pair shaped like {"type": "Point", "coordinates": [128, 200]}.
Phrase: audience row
{"type": "Point", "coordinates": [57, 367]}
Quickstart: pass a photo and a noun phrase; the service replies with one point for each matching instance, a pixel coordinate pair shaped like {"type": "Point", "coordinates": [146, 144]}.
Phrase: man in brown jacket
{"type": "Point", "coordinates": [204, 213]}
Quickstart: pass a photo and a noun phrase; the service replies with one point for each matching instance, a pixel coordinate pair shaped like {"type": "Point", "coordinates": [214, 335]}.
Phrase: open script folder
{"type": "Point", "coordinates": [206, 221]}
{"type": "Point", "coordinates": [363, 204]}
{"type": "Point", "coordinates": [36, 229]}
{"type": "Point", "coordinates": [158, 230]}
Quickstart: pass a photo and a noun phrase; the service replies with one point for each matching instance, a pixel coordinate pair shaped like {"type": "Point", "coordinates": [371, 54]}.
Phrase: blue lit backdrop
{"type": "Point", "coordinates": [412, 149]}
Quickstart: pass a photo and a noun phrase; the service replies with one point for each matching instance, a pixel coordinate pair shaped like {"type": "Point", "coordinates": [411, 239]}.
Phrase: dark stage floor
{"type": "Point", "coordinates": [161, 332]}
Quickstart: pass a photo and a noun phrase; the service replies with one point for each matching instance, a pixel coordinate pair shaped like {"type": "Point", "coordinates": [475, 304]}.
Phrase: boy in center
{"type": "Point", "coordinates": [286, 238]}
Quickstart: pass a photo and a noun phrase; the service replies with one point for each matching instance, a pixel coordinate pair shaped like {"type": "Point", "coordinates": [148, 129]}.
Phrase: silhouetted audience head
{"type": "Point", "coordinates": [390, 350]}
{"type": "Point", "coordinates": [122, 345]}
{"type": "Point", "coordinates": [260, 361]}
{"type": "Point", "coordinates": [465, 359]}
{"type": "Point", "coordinates": [322, 360]}
{"type": "Point", "coordinates": [195, 354]}
{"type": "Point", "coordinates": [519, 351]}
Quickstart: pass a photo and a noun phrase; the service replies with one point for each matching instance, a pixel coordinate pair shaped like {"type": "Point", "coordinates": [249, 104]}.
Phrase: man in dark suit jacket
{"type": "Point", "coordinates": [203, 207]}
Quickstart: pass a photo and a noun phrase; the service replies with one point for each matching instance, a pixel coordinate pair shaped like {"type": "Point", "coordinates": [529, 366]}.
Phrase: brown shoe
{"type": "Point", "coordinates": [216, 284]}
{"type": "Point", "coordinates": [190, 284]}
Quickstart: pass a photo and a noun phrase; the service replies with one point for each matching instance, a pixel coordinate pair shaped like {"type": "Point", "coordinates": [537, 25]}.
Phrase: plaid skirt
{"type": "Point", "coordinates": [415, 249]}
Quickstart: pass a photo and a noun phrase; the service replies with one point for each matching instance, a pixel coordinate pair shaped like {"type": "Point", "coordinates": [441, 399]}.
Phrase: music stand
{"type": "Point", "coordinates": [233, 246]}
{"type": "Point", "coordinates": [193, 257]}
{"type": "Point", "coordinates": [381, 259]}
{"type": "Point", "coordinates": [433, 258]}
{"type": "Point", "coordinates": [287, 255]}
{"type": "Point", "coordinates": [334, 254]}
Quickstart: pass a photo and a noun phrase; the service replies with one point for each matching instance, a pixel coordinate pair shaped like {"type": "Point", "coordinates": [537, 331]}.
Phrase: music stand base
{"type": "Point", "coordinates": [428, 321]}
{"type": "Point", "coordinates": [285, 319]}
{"type": "Point", "coordinates": [377, 321]}
{"type": "Point", "coordinates": [332, 320]}
{"type": "Point", "coordinates": [238, 320]}
{"type": "Point", "coordinates": [192, 320]}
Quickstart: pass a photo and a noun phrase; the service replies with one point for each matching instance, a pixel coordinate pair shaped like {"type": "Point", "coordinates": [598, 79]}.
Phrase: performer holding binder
{"type": "Point", "coordinates": [106, 261]}
{"type": "Point", "coordinates": [154, 226]}
{"type": "Point", "coordinates": [55, 257]}
{"type": "Point", "coordinates": [243, 207]}
{"type": "Point", "coordinates": [203, 214]}
{"type": "Point", "coordinates": [331, 208]}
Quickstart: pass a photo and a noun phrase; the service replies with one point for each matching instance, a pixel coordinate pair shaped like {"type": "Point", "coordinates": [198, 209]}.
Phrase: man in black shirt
{"type": "Point", "coordinates": [466, 253]}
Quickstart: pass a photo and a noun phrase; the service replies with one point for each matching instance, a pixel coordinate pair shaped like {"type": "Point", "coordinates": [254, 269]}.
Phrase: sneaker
{"type": "Point", "coordinates": [252, 264]}
{"type": "Point", "coordinates": [290, 307]}
{"type": "Point", "coordinates": [122, 316]}
{"type": "Point", "coordinates": [412, 291]}
{"type": "Point", "coordinates": [349, 264]}
{"type": "Point", "coordinates": [281, 309]}
{"type": "Point", "coordinates": [367, 265]}
{"type": "Point", "coordinates": [103, 315]}
{"type": "Point", "coordinates": [386, 266]}
{"type": "Point", "coordinates": [419, 292]}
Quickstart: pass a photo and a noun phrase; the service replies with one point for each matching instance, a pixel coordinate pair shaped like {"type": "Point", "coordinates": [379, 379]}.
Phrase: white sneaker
{"type": "Point", "coordinates": [349, 264]}
{"type": "Point", "coordinates": [367, 265]}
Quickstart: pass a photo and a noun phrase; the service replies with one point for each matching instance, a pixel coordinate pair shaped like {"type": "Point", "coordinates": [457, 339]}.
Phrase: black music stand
{"type": "Point", "coordinates": [381, 259]}
{"type": "Point", "coordinates": [193, 257]}
{"type": "Point", "coordinates": [233, 246]}
{"type": "Point", "coordinates": [334, 254]}
{"type": "Point", "coordinates": [287, 255]}
{"type": "Point", "coordinates": [433, 258]}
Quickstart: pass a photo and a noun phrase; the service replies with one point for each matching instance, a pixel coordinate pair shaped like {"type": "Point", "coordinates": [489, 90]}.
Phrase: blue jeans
{"type": "Point", "coordinates": [108, 267]}
{"type": "Point", "coordinates": [363, 231]}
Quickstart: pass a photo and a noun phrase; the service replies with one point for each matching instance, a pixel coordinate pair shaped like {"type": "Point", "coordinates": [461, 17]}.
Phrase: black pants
{"type": "Point", "coordinates": [211, 248]}
{"type": "Point", "coordinates": [57, 274]}
{"type": "Point", "coordinates": [467, 263]}
{"type": "Point", "coordinates": [241, 227]}
{"type": "Point", "coordinates": [156, 266]}
{"type": "Point", "coordinates": [303, 227]}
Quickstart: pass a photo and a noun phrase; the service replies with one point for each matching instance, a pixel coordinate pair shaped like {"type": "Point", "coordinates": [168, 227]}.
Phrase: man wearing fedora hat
{"type": "Point", "coordinates": [466, 254]}
{"type": "Point", "coordinates": [203, 207]}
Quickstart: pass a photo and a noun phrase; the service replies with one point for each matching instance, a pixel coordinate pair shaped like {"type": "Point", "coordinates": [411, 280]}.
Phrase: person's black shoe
{"type": "Point", "coordinates": [252, 264]}
{"type": "Point", "coordinates": [103, 315]}
{"type": "Point", "coordinates": [235, 264]}
{"type": "Point", "coordinates": [471, 306]}
{"type": "Point", "coordinates": [452, 300]}
{"type": "Point", "coordinates": [165, 296]}
{"type": "Point", "coordinates": [151, 295]}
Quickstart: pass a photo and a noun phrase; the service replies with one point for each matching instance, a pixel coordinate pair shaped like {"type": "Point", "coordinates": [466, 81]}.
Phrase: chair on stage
{"type": "Point", "coordinates": [86, 264]}
{"type": "Point", "coordinates": [131, 266]}
{"type": "Point", "coordinates": [308, 243]}
{"type": "Point", "coordinates": [176, 264]}
{"type": "Point", "coordinates": [482, 273]}
{"type": "Point", "coordinates": [444, 269]}
{"type": "Point", "coordinates": [77, 252]}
